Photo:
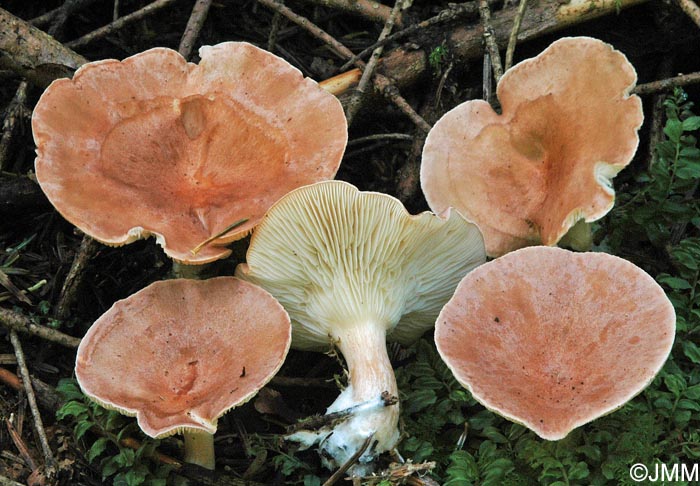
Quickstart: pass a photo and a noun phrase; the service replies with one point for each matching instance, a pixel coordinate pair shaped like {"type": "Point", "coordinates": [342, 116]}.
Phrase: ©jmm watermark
{"type": "Point", "coordinates": [665, 472]}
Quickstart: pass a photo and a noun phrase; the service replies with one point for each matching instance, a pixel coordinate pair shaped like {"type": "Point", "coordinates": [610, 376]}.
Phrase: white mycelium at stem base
{"type": "Point", "coordinates": [352, 268]}
{"type": "Point", "coordinates": [364, 348]}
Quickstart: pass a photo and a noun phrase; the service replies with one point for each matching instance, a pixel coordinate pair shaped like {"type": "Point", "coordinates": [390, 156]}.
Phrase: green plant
{"type": "Point", "coordinates": [125, 466]}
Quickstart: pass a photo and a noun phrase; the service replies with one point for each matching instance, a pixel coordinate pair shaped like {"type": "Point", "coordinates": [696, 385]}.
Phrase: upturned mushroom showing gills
{"type": "Point", "coordinates": [568, 126]}
{"type": "Point", "coordinates": [154, 145]}
{"type": "Point", "coordinates": [180, 353]}
{"type": "Point", "coordinates": [353, 269]}
{"type": "Point", "coordinates": [554, 339]}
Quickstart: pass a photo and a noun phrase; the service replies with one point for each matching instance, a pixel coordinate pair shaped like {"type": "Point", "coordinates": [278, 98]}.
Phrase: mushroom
{"type": "Point", "coordinates": [153, 145]}
{"type": "Point", "coordinates": [554, 339]}
{"type": "Point", "coordinates": [178, 354]}
{"type": "Point", "coordinates": [353, 269]}
{"type": "Point", "coordinates": [568, 126]}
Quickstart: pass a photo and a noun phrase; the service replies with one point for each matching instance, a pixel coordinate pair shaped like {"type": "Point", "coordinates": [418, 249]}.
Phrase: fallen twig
{"type": "Point", "coordinates": [46, 395]}
{"type": "Point", "coordinates": [118, 24]}
{"type": "Point", "coordinates": [4, 481]}
{"type": "Point", "coordinates": [49, 461]}
{"type": "Point", "coordinates": [356, 99]}
{"type": "Point", "coordinates": [381, 83]}
{"type": "Point", "coordinates": [194, 26]}
{"type": "Point", "coordinates": [88, 249]}
{"type": "Point", "coordinates": [369, 9]}
{"type": "Point", "coordinates": [33, 53]}
{"type": "Point", "coordinates": [17, 322]}
{"type": "Point", "coordinates": [691, 9]}
{"type": "Point", "coordinates": [490, 40]}
{"type": "Point", "coordinates": [667, 84]}
{"type": "Point", "coordinates": [20, 445]}
{"type": "Point", "coordinates": [349, 463]}
{"type": "Point", "coordinates": [447, 15]}
{"type": "Point", "coordinates": [513, 39]}
{"type": "Point", "coordinates": [14, 112]}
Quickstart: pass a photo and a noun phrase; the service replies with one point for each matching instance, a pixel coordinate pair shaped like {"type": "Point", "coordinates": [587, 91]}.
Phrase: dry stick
{"type": "Point", "coordinates": [274, 30]}
{"type": "Point", "coordinates": [22, 448]}
{"type": "Point", "coordinates": [667, 84]}
{"type": "Point", "coordinates": [68, 7]}
{"type": "Point", "coordinates": [356, 99]}
{"type": "Point", "coordinates": [118, 24]}
{"type": "Point", "coordinates": [381, 83]}
{"type": "Point", "coordinates": [17, 322]}
{"type": "Point", "coordinates": [46, 395]}
{"type": "Point", "coordinates": [16, 107]}
{"type": "Point", "coordinates": [446, 15]}
{"type": "Point", "coordinates": [349, 463]}
{"type": "Point", "coordinates": [406, 67]}
{"type": "Point", "coordinates": [513, 39]}
{"type": "Point", "coordinates": [88, 249]}
{"type": "Point", "coordinates": [490, 40]}
{"type": "Point", "coordinates": [691, 9]}
{"type": "Point", "coordinates": [370, 9]}
{"type": "Point", "coordinates": [194, 27]}
{"type": "Point", "coordinates": [5, 481]}
{"type": "Point", "coordinates": [32, 53]}
{"type": "Point", "coordinates": [49, 461]}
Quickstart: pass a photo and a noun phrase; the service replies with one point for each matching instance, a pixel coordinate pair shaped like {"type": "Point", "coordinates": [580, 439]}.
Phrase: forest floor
{"type": "Point", "coordinates": [53, 278]}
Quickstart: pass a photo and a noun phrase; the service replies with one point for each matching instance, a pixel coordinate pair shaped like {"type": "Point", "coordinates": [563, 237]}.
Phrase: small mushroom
{"type": "Point", "coordinates": [353, 269]}
{"type": "Point", "coordinates": [568, 126]}
{"type": "Point", "coordinates": [554, 339]}
{"type": "Point", "coordinates": [178, 354]}
{"type": "Point", "coordinates": [153, 145]}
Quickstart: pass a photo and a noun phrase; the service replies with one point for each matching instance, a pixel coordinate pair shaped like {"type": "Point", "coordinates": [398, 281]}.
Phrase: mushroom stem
{"type": "Point", "coordinates": [199, 448]}
{"type": "Point", "coordinates": [371, 377]}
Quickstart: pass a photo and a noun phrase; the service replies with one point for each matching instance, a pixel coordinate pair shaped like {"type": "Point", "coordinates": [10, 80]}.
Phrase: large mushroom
{"type": "Point", "coordinates": [180, 353]}
{"type": "Point", "coordinates": [353, 269]}
{"type": "Point", "coordinates": [553, 339]}
{"type": "Point", "coordinates": [154, 145]}
{"type": "Point", "coordinates": [568, 126]}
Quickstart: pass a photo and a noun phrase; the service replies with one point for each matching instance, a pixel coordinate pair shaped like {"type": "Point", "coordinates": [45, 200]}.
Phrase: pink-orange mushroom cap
{"type": "Point", "coordinates": [154, 145]}
{"type": "Point", "coordinates": [180, 353]}
{"type": "Point", "coordinates": [568, 126]}
{"type": "Point", "coordinates": [554, 339]}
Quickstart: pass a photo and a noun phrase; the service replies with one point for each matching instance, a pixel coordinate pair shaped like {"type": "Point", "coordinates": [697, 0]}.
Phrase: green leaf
{"type": "Point", "coordinates": [675, 384]}
{"type": "Point", "coordinates": [125, 458]}
{"type": "Point", "coordinates": [97, 448]}
{"type": "Point", "coordinates": [311, 480]}
{"type": "Point", "coordinates": [674, 130]}
{"type": "Point", "coordinates": [692, 392]}
{"type": "Point", "coordinates": [675, 283]}
{"type": "Point", "coordinates": [692, 123]}
{"type": "Point", "coordinates": [72, 409]}
{"type": "Point", "coordinates": [691, 351]}
{"type": "Point", "coordinates": [109, 467]}
{"type": "Point", "coordinates": [81, 428]}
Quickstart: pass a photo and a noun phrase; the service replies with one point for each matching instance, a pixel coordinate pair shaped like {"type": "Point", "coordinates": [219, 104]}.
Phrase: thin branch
{"type": "Point", "coordinates": [350, 462]}
{"type": "Point", "coordinates": [490, 39]}
{"type": "Point", "coordinates": [49, 461]}
{"type": "Point", "coordinates": [447, 15]}
{"type": "Point", "coordinates": [194, 27]}
{"type": "Point", "coordinates": [691, 9]}
{"type": "Point", "coordinates": [118, 24]}
{"type": "Point", "coordinates": [356, 99]}
{"type": "Point", "coordinates": [381, 83]}
{"type": "Point", "coordinates": [17, 322]}
{"type": "Point", "coordinates": [369, 9]}
{"type": "Point", "coordinates": [14, 111]}
{"type": "Point", "coordinates": [513, 39]}
{"type": "Point", "coordinates": [88, 249]}
{"type": "Point", "coordinates": [381, 136]}
{"type": "Point", "coordinates": [667, 84]}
